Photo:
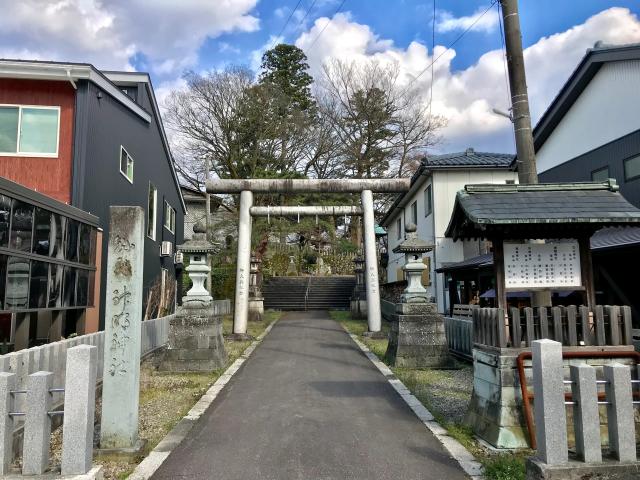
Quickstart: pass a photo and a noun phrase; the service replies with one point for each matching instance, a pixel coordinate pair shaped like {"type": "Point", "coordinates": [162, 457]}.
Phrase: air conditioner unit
{"type": "Point", "coordinates": [166, 249]}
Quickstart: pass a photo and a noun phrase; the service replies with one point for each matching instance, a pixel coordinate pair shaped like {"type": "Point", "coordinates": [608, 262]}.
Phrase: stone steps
{"type": "Point", "coordinates": [308, 293]}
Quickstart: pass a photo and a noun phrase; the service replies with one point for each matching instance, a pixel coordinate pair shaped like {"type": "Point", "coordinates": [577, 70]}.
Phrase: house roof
{"type": "Point", "coordinates": [107, 80]}
{"type": "Point", "coordinates": [467, 160]}
{"type": "Point", "coordinates": [473, 263]}
{"type": "Point", "coordinates": [577, 82]}
{"type": "Point", "coordinates": [553, 210]}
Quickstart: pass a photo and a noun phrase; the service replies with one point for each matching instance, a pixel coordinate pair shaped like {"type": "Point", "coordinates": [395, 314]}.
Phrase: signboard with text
{"type": "Point", "coordinates": [548, 265]}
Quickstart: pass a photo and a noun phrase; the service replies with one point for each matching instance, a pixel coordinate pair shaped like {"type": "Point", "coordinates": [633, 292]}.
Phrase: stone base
{"type": "Point", "coordinates": [358, 309]}
{"type": "Point", "coordinates": [128, 453]}
{"type": "Point", "coordinates": [496, 413]}
{"type": "Point", "coordinates": [375, 335]}
{"type": "Point", "coordinates": [607, 470]}
{"type": "Point", "coordinates": [239, 337]}
{"type": "Point", "coordinates": [96, 473]}
{"type": "Point", "coordinates": [195, 342]}
{"type": "Point", "coordinates": [417, 337]}
{"type": "Point", "coordinates": [256, 309]}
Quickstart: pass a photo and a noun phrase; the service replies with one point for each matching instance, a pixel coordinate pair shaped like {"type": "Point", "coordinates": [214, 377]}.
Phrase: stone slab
{"type": "Point", "coordinates": [608, 470]}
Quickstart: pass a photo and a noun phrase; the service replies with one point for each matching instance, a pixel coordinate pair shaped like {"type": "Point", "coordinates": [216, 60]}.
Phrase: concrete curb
{"type": "Point", "coordinates": [159, 454]}
{"type": "Point", "coordinates": [467, 461]}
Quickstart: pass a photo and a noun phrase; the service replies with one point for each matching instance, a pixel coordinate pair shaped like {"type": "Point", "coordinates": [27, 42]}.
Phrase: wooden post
{"type": "Point", "coordinates": [586, 269]}
{"type": "Point", "coordinates": [498, 267]}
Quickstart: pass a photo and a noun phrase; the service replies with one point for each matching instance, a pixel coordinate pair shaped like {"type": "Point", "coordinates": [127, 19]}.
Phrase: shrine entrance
{"type": "Point", "coordinates": [247, 188]}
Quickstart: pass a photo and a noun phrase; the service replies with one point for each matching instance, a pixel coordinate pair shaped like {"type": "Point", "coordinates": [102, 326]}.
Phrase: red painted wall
{"type": "Point", "coordinates": [50, 176]}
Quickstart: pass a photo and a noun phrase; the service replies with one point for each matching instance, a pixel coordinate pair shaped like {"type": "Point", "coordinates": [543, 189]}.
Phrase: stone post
{"type": "Point", "coordinates": [241, 307]}
{"type": "Point", "coordinates": [7, 384]}
{"type": "Point", "coordinates": [374, 313]}
{"type": "Point", "coordinates": [549, 409]}
{"type": "Point", "coordinates": [256, 300]}
{"type": "Point", "coordinates": [359, 296]}
{"type": "Point", "coordinates": [123, 312]}
{"type": "Point", "coordinates": [622, 436]}
{"type": "Point", "coordinates": [79, 409]}
{"type": "Point", "coordinates": [586, 418]}
{"type": "Point", "coordinates": [37, 424]}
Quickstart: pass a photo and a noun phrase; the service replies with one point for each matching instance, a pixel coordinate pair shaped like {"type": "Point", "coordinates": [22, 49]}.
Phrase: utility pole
{"type": "Point", "coordinates": [207, 220]}
{"type": "Point", "coordinates": [519, 98]}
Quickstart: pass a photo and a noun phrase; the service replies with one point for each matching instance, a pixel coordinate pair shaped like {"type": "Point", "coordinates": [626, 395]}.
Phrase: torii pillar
{"type": "Point", "coordinates": [374, 314]}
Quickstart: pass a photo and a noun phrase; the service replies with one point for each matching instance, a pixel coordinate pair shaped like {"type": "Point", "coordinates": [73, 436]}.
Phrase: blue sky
{"type": "Point", "coordinates": [166, 38]}
{"type": "Point", "coordinates": [404, 21]}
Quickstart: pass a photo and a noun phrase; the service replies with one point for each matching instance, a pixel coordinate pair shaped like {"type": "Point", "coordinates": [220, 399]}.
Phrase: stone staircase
{"type": "Point", "coordinates": [308, 293]}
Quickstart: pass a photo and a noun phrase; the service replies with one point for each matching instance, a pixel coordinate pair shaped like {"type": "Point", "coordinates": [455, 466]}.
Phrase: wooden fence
{"type": "Point", "coordinates": [459, 333]}
{"type": "Point", "coordinates": [608, 325]}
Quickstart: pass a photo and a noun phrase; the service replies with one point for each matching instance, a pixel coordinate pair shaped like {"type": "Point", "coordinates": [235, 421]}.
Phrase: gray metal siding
{"type": "Point", "coordinates": [612, 155]}
{"type": "Point", "coordinates": [108, 125]}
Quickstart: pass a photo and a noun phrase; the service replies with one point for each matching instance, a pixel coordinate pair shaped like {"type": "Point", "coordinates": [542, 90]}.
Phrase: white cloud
{"type": "Point", "coordinates": [446, 22]}
{"type": "Point", "coordinates": [467, 97]}
{"type": "Point", "coordinates": [109, 33]}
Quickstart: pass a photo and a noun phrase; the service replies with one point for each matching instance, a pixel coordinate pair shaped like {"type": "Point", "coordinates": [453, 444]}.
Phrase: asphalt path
{"type": "Point", "coordinates": [308, 405]}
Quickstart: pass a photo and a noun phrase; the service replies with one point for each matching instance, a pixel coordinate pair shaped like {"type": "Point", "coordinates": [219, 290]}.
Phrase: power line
{"type": "Point", "coordinates": [327, 24]}
{"type": "Point", "coordinates": [450, 45]}
{"type": "Point", "coordinates": [306, 14]}
{"type": "Point", "coordinates": [433, 48]}
{"type": "Point", "coordinates": [286, 23]}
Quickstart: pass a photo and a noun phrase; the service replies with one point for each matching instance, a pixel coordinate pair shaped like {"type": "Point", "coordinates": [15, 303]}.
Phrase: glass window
{"type": "Point", "coordinates": [9, 129]}
{"type": "Point", "coordinates": [3, 279]}
{"type": "Point", "coordinates": [42, 231]}
{"type": "Point", "coordinates": [73, 227]}
{"type": "Point", "coordinates": [38, 284]}
{"type": "Point", "coordinates": [39, 130]}
{"type": "Point", "coordinates": [151, 212]}
{"type": "Point", "coordinates": [17, 291]}
{"type": "Point", "coordinates": [414, 213]}
{"type": "Point", "coordinates": [632, 168]}
{"type": "Point", "coordinates": [169, 217]}
{"type": "Point", "coordinates": [399, 228]}
{"type": "Point", "coordinates": [55, 286]}
{"type": "Point", "coordinates": [58, 225]}
{"type": "Point", "coordinates": [428, 202]}
{"type": "Point", "coordinates": [5, 220]}
{"type": "Point", "coordinates": [69, 289]}
{"type": "Point", "coordinates": [82, 292]}
{"type": "Point", "coordinates": [21, 226]}
{"type": "Point", "coordinates": [600, 175]}
{"type": "Point", "coordinates": [126, 164]}
{"type": "Point", "coordinates": [84, 248]}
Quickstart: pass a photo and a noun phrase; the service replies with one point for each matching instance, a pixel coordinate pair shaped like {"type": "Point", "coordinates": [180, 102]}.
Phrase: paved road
{"type": "Point", "coordinates": [308, 405]}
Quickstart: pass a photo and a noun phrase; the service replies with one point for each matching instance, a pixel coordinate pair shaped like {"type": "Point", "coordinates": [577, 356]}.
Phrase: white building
{"type": "Point", "coordinates": [429, 204]}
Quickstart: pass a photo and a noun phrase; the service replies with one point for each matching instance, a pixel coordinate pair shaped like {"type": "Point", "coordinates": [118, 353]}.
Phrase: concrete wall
{"type": "Point", "coordinates": [606, 110]}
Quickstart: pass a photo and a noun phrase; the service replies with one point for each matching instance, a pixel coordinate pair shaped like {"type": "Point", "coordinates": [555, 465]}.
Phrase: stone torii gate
{"type": "Point", "coordinates": [247, 187]}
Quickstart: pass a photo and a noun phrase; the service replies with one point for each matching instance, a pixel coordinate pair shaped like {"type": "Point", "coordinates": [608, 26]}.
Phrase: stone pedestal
{"type": "Point", "coordinates": [195, 340]}
{"type": "Point", "coordinates": [495, 413]}
{"type": "Point", "coordinates": [256, 309]}
{"type": "Point", "coordinates": [417, 337]}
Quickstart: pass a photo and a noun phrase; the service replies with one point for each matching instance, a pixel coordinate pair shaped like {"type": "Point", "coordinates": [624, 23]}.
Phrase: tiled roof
{"type": "Point", "coordinates": [469, 158]}
{"type": "Point", "coordinates": [482, 210]}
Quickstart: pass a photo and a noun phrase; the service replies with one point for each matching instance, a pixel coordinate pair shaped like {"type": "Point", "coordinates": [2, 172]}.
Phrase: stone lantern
{"type": "Point", "coordinates": [413, 249]}
{"type": "Point", "coordinates": [256, 300]}
{"type": "Point", "coordinates": [417, 336]}
{"type": "Point", "coordinates": [359, 295]}
{"type": "Point", "coordinates": [195, 331]}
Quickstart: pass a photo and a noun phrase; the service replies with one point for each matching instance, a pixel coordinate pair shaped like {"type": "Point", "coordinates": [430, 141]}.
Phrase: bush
{"type": "Point", "coordinates": [504, 467]}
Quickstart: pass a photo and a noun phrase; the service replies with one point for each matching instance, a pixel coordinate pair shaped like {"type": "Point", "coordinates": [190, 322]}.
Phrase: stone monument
{"type": "Point", "coordinates": [417, 337]}
{"type": "Point", "coordinates": [195, 331]}
{"type": "Point", "coordinates": [256, 300]}
{"type": "Point", "coordinates": [292, 268]}
{"type": "Point", "coordinates": [359, 295]}
{"type": "Point", "coordinates": [123, 319]}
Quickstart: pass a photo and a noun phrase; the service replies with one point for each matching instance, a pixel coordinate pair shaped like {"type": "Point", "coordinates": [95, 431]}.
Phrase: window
{"type": "Point", "coordinates": [414, 213]}
{"type": "Point", "coordinates": [169, 217]}
{"type": "Point", "coordinates": [126, 164]}
{"type": "Point", "coordinates": [600, 175]}
{"type": "Point", "coordinates": [428, 202]}
{"type": "Point", "coordinates": [632, 168]}
{"type": "Point", "coordinates": [399, 228]}
{"type": "Point", "coordinates": [29, 130]}
{"type": "Point", "coordinates": [151, 212]}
